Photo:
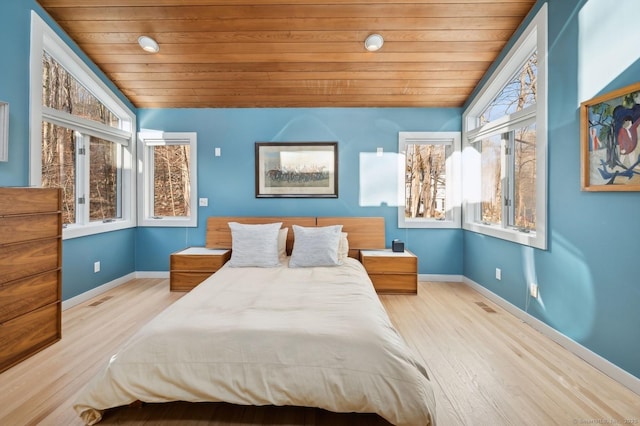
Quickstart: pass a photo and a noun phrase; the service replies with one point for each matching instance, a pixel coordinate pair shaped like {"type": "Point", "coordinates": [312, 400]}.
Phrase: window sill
{"type": "Point", "coordinates": [531, 238]}
{"type": "Point", "coordinates": [187, 222]}
{"type": "Point", "coordinates": [427, 223]}
{"type": "Point", "coordinates": [76, 231]}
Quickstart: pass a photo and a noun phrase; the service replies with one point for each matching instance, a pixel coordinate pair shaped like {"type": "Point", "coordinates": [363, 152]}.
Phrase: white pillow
{"type": "Point", "coordinates": [282, 242]}
{"type": "Point", "coordinates": [343, 247]}
{"type": "Point", "coordinates": [254, 245]}
{"type": "Point", "coordinates": [315, 246]}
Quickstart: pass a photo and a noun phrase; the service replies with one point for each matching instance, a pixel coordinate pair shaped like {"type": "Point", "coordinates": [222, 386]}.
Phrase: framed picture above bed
{"type": "Point", "coordinates": [297, 169]}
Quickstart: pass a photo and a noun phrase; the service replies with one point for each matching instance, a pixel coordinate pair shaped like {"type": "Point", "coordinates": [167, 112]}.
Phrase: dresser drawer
{"type": "Point", "coordinates": [27, 334]}
{"type": "Point", "coordinates": [29, 200]}
{"type": "Point", "coordinates": [33, 257]}
{"type": "Point", "coordinates": [30, 227]}
{"type": "Point", "coordinates": [21, 296]}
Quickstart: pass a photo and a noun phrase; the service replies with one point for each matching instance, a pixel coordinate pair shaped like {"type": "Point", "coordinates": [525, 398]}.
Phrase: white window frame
{"type": "Point", "coordinates": [4, 131]}
{"type": "Point", "coordinates": [147, 140]}
{"type": "Point", "coordinates": [43, 38]}
{"type": "Point", "coordinates": [453, 173]}
{"type": "Point", "coordinates": [533, 38]}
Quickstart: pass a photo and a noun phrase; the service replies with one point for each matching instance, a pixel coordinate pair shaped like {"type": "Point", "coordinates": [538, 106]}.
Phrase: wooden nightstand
{"type": "Point", "coordinates": [191, 266]}
{"type": "Point", "coordinates": [391, 272]}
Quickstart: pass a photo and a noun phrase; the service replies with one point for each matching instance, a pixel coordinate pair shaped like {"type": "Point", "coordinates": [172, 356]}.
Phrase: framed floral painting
{"type": "Point", "coordinates": [609, 133]}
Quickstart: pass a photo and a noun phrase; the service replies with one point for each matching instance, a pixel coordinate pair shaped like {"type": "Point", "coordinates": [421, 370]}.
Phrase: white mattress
{"type": "Point", "coordinates": [315, 337]}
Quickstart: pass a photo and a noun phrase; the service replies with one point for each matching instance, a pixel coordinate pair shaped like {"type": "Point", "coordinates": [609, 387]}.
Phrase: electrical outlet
{"type": "Point", "coordinates": [96, 266]}
{"type": "Point", "coordinates": [203, 202]}
{"type": "Point", "coordinates": [498, 274]}
{"type": "Point", "coordinates": [533, 290]}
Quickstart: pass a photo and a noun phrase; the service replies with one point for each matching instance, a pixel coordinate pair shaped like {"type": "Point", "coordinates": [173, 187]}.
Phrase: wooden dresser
{"type": "Point", "coordinates": [30, 271]}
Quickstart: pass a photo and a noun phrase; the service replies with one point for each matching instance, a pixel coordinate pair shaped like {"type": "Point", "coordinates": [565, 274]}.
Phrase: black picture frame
{"type": "Point", "coordinates": [296, 169]}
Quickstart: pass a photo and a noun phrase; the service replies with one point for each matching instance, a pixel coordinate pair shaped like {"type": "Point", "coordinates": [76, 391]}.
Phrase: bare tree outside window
{"type": "Point", "coordinates": [524, 196]}
{"type": "Point", "coordinates": [504, 156]}
{"type": "Point", "coordinates": [172, 183]}
{"type": "Point", "coordinates": [61, 146]}
{"type": "Point", "coordinates": [425, 181]}
{"type": "Point", "coordinates": [168, 189]}
{"type": "Point", "coordinates": [517, 188]}
{"type": "Point", "coordinates": [63, 92]}
{"type": "Point", "coordinates": [104, 180]}
{"type": "Point", "coordinates": [491, 180]}
{"type": "Point", "coordinates": [518, 94]}
{"type": "Point", "coordinates": [59, 166]}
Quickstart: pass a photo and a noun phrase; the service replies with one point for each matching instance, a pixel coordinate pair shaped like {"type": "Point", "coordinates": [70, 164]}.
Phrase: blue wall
{"type": "Point", "coordinates": [228, 181]}
{"type": "Point", "coordinates": [15, 24]}
{"type": "Point", "coordinates": [115, 250]}
{"type": "Point", "coordinates": [588, 284]}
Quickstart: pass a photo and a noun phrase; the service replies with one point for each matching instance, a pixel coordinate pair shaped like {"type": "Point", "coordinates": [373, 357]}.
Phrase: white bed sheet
{"type": "Point", "coordinates": [314, 337]}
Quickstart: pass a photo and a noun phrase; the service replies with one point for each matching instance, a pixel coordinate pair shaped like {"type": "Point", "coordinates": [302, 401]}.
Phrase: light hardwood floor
{"type": "Point", "coordinates": [488, 368]}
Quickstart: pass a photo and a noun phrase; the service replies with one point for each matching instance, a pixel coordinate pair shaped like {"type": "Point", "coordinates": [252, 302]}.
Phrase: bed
{"type": "Point", "coordinates": [283, 335]}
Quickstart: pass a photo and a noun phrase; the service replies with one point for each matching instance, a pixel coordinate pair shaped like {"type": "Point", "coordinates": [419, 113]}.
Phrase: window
{"type": "Point", "coordinates": [168, 181]}
{"type": "Point", "coordinates": [505, 156]}
{"type": "Point", "coordinates": [431, 180]}
{"type": "Point", "coordinates": [84, 144]}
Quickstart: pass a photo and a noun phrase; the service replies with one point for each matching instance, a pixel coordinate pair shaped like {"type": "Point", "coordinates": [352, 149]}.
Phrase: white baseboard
{"type": "Point", "coordinates": [81, 298]}
{"type": "Point", "coordinates": [152, 274]}
{"type": "Point", "coordinates": [440, 278]}
{"type": "Point", "coordinates": [607, 367]}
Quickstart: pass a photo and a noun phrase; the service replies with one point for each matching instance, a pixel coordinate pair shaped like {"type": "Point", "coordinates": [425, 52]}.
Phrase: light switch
{"type": "Point", "coordinates": [217, 152]}
{"type": "Point", "coordinates": [203, 202]}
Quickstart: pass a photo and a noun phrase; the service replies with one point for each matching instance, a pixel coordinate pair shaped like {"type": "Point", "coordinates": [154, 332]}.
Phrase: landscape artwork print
{"type": "Point", "coordinates": [297, 169]}
{"type": "Point", "coordinates": [610, 129]}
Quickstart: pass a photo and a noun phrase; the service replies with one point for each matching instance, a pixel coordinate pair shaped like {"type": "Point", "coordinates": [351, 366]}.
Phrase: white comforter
{"type": "Point", "coordinates": [315, 337]}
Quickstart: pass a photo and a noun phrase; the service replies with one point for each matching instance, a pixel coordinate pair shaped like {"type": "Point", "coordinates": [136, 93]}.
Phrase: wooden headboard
{"type": "Point", "coordinates": [363, 232]}
{"type": "Point", "coordinates": [219, 234]}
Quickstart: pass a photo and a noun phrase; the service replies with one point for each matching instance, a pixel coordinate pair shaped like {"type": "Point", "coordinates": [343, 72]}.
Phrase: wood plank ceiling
{"type": "Point", "coordinates": [292, 53]}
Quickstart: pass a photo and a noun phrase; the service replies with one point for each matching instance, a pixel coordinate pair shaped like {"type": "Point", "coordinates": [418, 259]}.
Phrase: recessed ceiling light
{"type": "Point", "coordinates": [148, 44]}
{"type": "Point", "coordinates": [373, 42]}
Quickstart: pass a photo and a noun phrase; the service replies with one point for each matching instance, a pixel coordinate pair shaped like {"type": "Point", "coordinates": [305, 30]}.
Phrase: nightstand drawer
{"type": "Point", "coordinates": [197, 262]}
{"type": "Point", "coordinates": [395, 283]}
{"type": "Point", "coordinates": [390, 265]}
{"type": "Point", "coordinates": [186, 281]}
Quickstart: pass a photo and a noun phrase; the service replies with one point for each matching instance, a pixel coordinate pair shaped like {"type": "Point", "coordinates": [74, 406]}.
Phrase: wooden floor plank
{"type": "Point", "coordinates": [487, 367]}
